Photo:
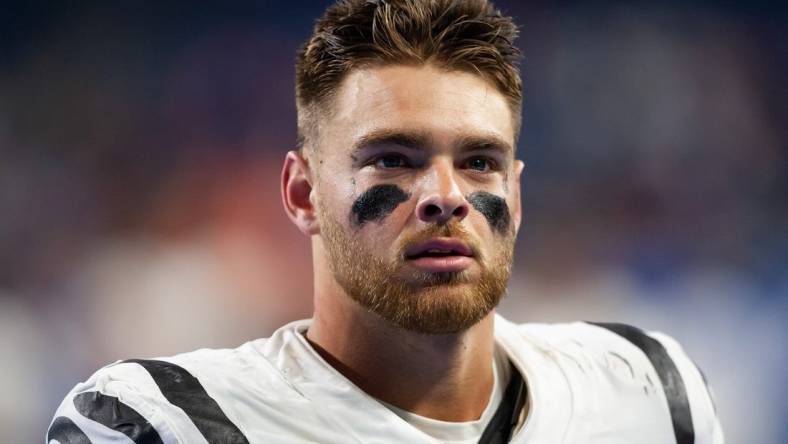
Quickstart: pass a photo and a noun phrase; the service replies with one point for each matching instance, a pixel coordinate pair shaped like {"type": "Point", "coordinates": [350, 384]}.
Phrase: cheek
{"type": "Point", "coordinates": [376, 203]}
{"type": "Point", "coordinates": [493, 208]}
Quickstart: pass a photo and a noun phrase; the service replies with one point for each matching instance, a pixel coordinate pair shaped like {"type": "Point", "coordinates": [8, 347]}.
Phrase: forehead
{"type": "Point", "coordinates": [424, 99]}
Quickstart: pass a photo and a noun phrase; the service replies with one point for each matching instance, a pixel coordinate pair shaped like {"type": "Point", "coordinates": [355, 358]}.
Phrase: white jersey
{"type": "Point", "coordinates": [586, 384]}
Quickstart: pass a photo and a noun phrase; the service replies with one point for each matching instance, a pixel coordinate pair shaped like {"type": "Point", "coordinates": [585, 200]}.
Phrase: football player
{"type": "Point", "coordinates": [407, 183]}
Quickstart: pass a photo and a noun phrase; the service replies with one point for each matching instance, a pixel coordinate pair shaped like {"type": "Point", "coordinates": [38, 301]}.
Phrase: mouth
{"type": "Point", "coordinates": [440, 255]}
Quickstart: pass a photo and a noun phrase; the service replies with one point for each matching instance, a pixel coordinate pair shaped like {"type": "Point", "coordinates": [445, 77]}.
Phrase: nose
{"type": "Point", "coordinates": [442, 198]}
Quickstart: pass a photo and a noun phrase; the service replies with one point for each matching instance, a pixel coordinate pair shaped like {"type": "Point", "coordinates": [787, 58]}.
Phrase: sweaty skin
{"type": "Point", "coordinates": [493, 208]}
{"type": "Point", "coordinates": [376, 203]}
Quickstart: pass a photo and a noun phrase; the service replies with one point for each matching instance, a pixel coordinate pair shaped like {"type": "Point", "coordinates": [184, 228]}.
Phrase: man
{"type": "Point", "coordinates": [407, 183]}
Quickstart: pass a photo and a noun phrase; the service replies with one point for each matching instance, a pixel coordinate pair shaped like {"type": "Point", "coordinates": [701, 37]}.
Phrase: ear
{"type": "Point", "coordinates": [518, 203]}
{"type": "Point", "coordinates": [297, 193]}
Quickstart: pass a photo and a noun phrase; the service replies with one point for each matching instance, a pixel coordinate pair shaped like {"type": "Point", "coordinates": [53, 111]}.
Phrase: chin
{"type": "Point", "coordinates": [449, 279]}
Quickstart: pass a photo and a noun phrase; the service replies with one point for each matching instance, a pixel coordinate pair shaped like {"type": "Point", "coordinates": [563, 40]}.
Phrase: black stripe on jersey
{"type": "Point", "coordinates": [501, 426]}
{"type": "Point", "coordinates": [64, 431]}
{"type": "Point", "coordinates": [672, 384]}
{"type": "Point", "coordinates": [185, 391]}
{"type": "Point", "coordinates": [112, 413]}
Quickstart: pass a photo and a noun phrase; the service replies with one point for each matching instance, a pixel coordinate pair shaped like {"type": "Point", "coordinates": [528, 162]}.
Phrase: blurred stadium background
{"type": "Point", "coordinates": [141, 144]}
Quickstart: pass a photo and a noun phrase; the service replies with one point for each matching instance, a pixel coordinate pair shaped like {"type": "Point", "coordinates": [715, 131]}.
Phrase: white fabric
{"type": "Point", "coordinates": [586, 385]}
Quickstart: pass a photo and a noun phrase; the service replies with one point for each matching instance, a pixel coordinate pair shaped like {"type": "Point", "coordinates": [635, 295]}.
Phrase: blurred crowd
{"type": "Point", "coordinates": [140, 214]}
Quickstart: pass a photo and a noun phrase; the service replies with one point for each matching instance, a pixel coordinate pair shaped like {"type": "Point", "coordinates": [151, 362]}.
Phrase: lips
{"type": "Point", "coordinates": [440, 255]}
{"type": "Point", "coordinates": [439, 248]}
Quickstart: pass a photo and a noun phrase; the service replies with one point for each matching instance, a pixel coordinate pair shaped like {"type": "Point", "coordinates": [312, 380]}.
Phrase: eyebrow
{"type": "Point", "coordinates": [420, 139]}
{"type": "Point", "coordinates": [489, 141]}
{"type": "Point", "coordinates": [406, 138]}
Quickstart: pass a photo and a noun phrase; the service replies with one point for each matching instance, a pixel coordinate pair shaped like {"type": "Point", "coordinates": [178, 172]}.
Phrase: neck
{"type": "Point", "coordinates": [444, 377]}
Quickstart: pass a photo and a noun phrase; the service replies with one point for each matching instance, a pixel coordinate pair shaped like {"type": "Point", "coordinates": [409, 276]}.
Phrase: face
{"type": "Point", "coordinates": [417, 195]}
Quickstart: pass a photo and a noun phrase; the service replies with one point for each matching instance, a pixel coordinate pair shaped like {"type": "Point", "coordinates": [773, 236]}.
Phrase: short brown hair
{"type": "Point", "coordinates": [465, 35]}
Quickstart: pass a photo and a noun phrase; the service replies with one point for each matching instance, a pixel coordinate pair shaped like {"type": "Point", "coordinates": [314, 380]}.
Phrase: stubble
{"type": "Point", "coordinates": [424, 302]}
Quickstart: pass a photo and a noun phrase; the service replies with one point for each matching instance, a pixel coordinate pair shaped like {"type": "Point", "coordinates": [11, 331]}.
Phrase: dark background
{"type": "Point", "coordinates": [141, 143]}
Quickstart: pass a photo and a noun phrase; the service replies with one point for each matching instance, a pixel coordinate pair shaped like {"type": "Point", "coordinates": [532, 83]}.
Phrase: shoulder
{"type": "Point", "coordinates": [611, 365]}
{"type": "Point", "coordinates": [593, 343]}
{"type": "Point", "coordinates": [189, 397]}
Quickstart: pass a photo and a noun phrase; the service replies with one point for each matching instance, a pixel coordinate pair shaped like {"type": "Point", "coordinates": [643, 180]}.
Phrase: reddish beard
{"type": "Point", "coordinates": [424, 302]}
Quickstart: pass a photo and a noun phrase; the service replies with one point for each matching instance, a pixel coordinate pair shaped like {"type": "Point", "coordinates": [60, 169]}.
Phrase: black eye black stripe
{"type": "Point", "coordinates": [494, 209]}
{"type": "Point", "coordinates": [376, 203]}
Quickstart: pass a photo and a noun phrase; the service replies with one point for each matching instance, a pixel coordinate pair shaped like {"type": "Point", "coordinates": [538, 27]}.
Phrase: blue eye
{"type": "Point", "coordinates": [478, 164]}
{"type": "Point", "coordinates": [391, 161]}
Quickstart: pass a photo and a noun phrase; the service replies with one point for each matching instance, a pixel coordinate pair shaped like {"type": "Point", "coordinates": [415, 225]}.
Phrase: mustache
{"type": "Point", "coordinates": [452, 229]}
